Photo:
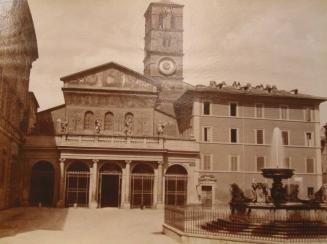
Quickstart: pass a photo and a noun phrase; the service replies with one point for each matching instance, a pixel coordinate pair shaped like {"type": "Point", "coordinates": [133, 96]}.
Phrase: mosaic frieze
{"type": "Point", "coordinates": [111, 78]}
{"type": "Point", "coordinates": [117, 101]}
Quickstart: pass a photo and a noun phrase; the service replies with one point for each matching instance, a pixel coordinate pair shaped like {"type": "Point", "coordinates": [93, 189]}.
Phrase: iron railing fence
{"type": "Point", "coordinates": [272, 225]}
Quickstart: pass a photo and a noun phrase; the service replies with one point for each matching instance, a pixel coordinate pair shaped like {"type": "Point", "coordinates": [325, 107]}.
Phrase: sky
{"type": "Point", "coordinates": [277, 42]}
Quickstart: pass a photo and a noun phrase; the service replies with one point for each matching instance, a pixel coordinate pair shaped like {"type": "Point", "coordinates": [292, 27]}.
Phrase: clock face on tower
{"type": "Point", "coordinates": [167, 66]}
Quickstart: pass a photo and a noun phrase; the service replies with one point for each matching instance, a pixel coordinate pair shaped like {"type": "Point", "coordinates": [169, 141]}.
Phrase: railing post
{"type": "Point", "coordinates": [184, 218]}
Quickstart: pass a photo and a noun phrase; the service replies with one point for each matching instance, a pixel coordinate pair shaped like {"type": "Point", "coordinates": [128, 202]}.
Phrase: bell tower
{"type": "Point", "coordinates": [163, 59]}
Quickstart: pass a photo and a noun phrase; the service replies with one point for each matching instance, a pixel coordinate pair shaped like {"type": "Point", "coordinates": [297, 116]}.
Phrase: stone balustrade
{"type": "Point", "coordinates": [104, 141]}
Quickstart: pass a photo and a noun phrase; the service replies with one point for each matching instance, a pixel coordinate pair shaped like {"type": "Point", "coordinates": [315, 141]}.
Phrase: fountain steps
{"type": "Point", "coordinates": [276, 219]}
{"type": "Point", "coordinates": [307, 230]}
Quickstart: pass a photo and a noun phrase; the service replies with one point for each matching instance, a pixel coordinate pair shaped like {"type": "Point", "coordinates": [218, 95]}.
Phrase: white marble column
{"type": "Point", "coordinates": [61, 201]}
{"type": "Point", "coordinates": [126, 185]}
{"type": "Point", "coordinates": [155, 188]}
{"type": "Point", "coordinates": [93, 201]}
{"type": "Point", "coordinates": [160, 185]}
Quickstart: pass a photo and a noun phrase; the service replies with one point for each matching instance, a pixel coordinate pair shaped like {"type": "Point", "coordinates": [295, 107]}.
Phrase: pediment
{"type": "Point", "coordinates": [110, 76]}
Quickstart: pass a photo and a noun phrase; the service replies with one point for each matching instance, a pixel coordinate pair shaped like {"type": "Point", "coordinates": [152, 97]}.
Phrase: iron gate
{"type": "Point", "coordinates": [175, 190]}
{"type": "Point", "coordinates": [142, 190]}
{"type": "Point", "coordinates": [77, 188]}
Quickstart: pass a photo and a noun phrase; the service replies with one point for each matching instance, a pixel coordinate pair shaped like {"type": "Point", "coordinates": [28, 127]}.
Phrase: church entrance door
{"type": "Point", "coordinates": [110, 185]}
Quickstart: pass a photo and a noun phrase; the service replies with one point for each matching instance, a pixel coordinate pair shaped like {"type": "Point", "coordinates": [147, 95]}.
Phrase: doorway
{"type": "Point", "coordinates": [42, 184]}
{"type": "Point", "coordinates": [110, 185]}
{"type": "Point", "coordinates": [206, 196]}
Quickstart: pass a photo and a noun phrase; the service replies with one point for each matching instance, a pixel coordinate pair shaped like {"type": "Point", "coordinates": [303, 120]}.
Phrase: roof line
{"type": "Point", "coordinates": [53, 108]}
{"type": "Point", "coordinates": [160, 111]}
{"type": "Point", "coordinates": [95, 68]}
{"type": "Point", "coordinates": [298, 96]}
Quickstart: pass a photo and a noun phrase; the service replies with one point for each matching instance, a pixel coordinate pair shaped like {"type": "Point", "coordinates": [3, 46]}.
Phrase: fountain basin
{"type": "Point", "coordinates": [280, 173]}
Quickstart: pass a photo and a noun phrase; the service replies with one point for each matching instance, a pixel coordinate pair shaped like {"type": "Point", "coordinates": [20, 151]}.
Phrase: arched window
{"type": "Point", "coordinates": [109, 121]}
{"type": "Point", "coordinates": [88, 120]}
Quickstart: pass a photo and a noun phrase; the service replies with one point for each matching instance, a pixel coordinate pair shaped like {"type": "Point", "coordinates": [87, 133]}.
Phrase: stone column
{"type": "Point", "coordinates": [155, 188]}
{"type": "Point", "coordinates": [160, 186]}
{"type": "Point", "coordinates": [93, 201]}
{"type": "Point", "coordinates": [61, 201]}
{"type": "Point", "coordinates": [126, 185]}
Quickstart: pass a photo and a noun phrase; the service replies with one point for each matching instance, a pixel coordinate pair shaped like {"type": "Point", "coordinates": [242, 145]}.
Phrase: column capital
{"type": "Point", "coordinates": [128, 161]}
{"type": "Point", "coordinates": [95, 161]}
{"type": "Point", "coordinates": [62, 160]}
{"type": "Point", "coordinates": [160, 163]}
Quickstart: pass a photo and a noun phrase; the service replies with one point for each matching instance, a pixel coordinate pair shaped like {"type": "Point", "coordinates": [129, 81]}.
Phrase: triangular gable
{"type": "Point", "coordinates": [110, 76]}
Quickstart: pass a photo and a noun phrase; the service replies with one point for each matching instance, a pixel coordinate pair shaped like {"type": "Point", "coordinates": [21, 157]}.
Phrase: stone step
{"type": "Point", "coordinates": [279, 231]}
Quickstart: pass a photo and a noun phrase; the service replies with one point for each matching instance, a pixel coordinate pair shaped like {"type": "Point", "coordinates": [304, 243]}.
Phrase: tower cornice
{"type": "Point", "coordinates": [162, 4]}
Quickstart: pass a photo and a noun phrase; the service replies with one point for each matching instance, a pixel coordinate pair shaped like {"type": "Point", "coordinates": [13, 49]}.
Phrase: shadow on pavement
{"type": "Point", "coordinates": [19, 220]}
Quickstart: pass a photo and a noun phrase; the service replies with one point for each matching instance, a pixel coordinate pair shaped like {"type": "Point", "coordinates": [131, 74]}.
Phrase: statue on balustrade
{"type": "Point", "coordinates": [63, 126]}
{"type": "Point", "coordinates": [97, 126]}
{"type": "Point", "coordinates": [129, 124]}
{"type": "Point", "coordinates": [161, 128]}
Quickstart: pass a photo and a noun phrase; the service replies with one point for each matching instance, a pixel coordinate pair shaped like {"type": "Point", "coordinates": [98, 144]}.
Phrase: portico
{"type": "Point", "coordinates": [132, 182]}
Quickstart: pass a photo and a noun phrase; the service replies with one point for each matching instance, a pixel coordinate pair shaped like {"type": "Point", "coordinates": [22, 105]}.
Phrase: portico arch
{"type": "Point", "coordinates": [142, 180]}
{"type": "Point", "coordinates": [110, 181]}
{"type": "Point", "coordinates": [176, 185]}
{"type": "Point", "coordinates": [77, 184]}
{"type": "Point", "coordinates": [42, 184]}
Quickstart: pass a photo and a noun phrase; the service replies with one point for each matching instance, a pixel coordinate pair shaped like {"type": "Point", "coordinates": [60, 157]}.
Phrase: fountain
{"type": "Point", "coordinates": [278, 214]}
{"type": "Point", "coordinates": [278, 172]}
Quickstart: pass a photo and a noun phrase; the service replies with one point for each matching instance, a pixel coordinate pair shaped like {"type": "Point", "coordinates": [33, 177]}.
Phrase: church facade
{"type": "Point", "coordinates": [125, 139]}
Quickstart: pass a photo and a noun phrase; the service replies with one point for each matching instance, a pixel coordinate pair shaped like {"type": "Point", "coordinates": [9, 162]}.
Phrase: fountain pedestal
{"type": "Point", "coordinates": [278, 192]}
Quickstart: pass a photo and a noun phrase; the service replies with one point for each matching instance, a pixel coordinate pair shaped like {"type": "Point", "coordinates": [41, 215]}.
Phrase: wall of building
{"type": "Point", "coordinates": [324, 152]}
{"type": "Point", "coordinates": [220, 148]}
{"type": "Point", "coordinates": [18, 50]}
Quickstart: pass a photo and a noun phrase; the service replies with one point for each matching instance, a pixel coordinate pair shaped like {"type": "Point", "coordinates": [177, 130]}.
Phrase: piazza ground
{"type": "Point", "coordinates": [81, 225]}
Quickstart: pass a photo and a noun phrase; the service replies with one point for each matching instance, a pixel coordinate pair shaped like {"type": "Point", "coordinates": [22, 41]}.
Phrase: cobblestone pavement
{"type": "Point", "coordinates": [82, 226]}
